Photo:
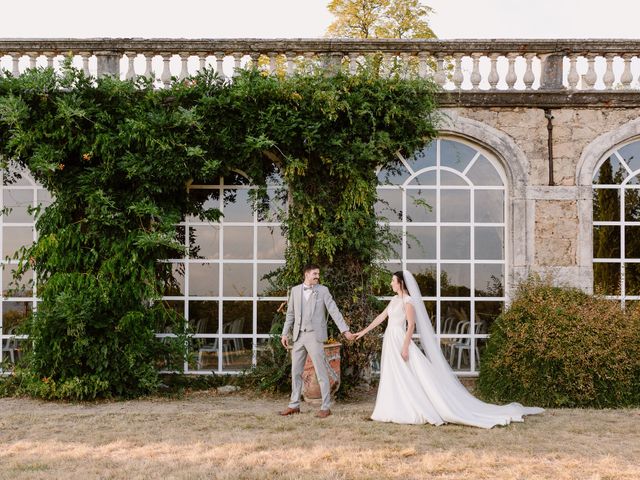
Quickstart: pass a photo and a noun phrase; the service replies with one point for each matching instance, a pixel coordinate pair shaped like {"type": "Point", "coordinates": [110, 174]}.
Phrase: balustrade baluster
{"type": "Point", "coordinates": [15, 63]}
{"type": "Point", "coordinates": [458, 76]}
{"type": "Point", "coordinates": [590, 78]}
{"type": "Point", "coordinates": [353, 63]}
{"type": "Point", "coordinates": [493, 74]}
{"type": "Point", "coordinates": [573, 77]}
{"type": "Point", "coordinates": [627, 76]}
{"type": "Point", "coordinates": [237, 63]}
{"type": "Point", "coordinates": [529, 77]}
{"type": "Point", "coordinates": [511, 70]}
{"type": "Point", "coordinates": [440, 77]}
{"type": "Point", "coordinates": [422, 64]}
{"type": "Point", "coordinates": [33, 57]}
{"type": "Point", "coordinates": [202, 61]}
{"type": "Point", "coordinates": [148, 67]}
{"type": "Point", "coordinates": [184, 69]}
{"type": "Point", "coordinates": [219, 68]}
{"type": "Point", "coordinates": [85, 62]}
{"type": "Point", "coordinates": [273, 63]}
{"type": "Point", "coordinates": [609, 78]}
{"type": "Point", "coordinates": [49, 56]}
{"type": "Point", "coordinates": [476, 78]}
{"type": "Point", "coordinates": [131, 72]}
{"type": "Point", "coordinates": [165, 77]}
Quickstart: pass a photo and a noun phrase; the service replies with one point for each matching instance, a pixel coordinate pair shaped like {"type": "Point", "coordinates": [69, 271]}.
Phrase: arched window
{"type": "Point", "coordinates": [616, 224]}
{"type": "Point", "coordinates": [19, 194]}
{"type": "Point", "coordinates": [446, 207]}
{"type": "Point", "coordinates": [220, 288]}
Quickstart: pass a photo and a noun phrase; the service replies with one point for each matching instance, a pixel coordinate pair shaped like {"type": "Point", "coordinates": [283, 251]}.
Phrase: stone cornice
{"type": "Point", "coordinates": [540, 99]}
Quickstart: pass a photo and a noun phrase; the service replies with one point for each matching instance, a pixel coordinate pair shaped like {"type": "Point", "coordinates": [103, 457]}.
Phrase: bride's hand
{"type": "Point", "coordinates": [405, 354]}
{"type": "Point", "coordinates": [358, 335]}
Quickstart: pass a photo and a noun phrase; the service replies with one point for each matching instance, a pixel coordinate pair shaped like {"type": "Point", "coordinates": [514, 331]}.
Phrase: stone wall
{"type": "Point", "coordinates": [549, 225]}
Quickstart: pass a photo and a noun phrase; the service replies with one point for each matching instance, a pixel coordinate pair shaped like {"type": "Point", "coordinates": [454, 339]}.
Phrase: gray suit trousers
{"type": "Point", "coordinates": [307, 343]}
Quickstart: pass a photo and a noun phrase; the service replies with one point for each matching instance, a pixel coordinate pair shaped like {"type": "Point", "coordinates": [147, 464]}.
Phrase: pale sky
{"type": "Point", "coordinates": [309, 18]}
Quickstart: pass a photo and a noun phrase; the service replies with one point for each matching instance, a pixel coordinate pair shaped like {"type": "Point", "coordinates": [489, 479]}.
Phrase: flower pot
{"type": "Point", "coordinates": [310, 386]}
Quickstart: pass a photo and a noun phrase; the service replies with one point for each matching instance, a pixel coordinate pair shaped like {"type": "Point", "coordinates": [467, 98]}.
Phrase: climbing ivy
{"type": "Point", "coordinates": [118, 157]}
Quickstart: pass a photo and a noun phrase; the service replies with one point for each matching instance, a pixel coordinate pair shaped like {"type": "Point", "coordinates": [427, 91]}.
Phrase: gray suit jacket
{"type": "Point", "coordinates": [322, 304]}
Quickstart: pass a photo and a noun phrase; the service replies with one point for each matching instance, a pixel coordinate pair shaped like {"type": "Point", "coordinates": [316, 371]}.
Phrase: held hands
{"type": "Point", "coordinates": [349, 336]}
{"type": "Point", "coordinates": [358, 335]}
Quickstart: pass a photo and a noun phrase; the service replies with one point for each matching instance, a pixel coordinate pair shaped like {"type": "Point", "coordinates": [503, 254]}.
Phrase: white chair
{"type": "Point", "coordinates": [10, 346]}
{"type": "Point", "coordinates": [463, 346]}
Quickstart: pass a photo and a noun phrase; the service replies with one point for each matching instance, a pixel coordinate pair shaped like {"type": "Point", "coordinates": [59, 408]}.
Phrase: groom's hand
{"type": "Point", "coordinates": [284, 339]}
{"type": "Point", "coordinates": [349, 336]}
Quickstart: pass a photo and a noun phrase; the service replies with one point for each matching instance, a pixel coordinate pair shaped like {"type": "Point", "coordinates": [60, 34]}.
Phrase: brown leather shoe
{"type": "Point", "coordinates": [323, 413]}
{"type": "Point", "coordinates": [289, 411]}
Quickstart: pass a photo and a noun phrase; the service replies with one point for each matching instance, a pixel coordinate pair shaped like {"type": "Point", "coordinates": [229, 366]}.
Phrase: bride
{"type": "Point", "coordinates": [417, 387]}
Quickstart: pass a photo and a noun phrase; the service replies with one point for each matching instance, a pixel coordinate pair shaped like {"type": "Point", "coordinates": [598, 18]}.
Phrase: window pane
{"type": "Point", "coordinates": [632, 241]}
{"type": "Point", "coordinates": [489, 206]}
{"type": "Point", "coordinates": [421, 205]}
{"type": "Point", "coordinates": [484, 173]}
{"type": "Point", "coordinates": [455, 280]}
{"type": "Point", "coordinates": [210, 199]}
{"type": "Point", "coordinates": [611, 172]}
{"type": "Point", "coordinates": [455, 154]}
{"type": "Point", "coordinates": [204, 354]}
{"type": "Point", "coordinates": [175, 285]}
{"type": "Point", "coordinates": [44, 198]}
{"type": "Point", "coordinates": [277, 204]}
{"type": "Point", "coordinates": [203, 279]}
{"type": "Point", "coordinates": [606, 278]}
{"type": "Point", "coordinates": [421, 242]}
{"type": "Point", "coordinates": [458, 312]}
{"type": "Point", "coordinates": [606, 204]}
{"type": "Point", "coordinates": [16, 288]}
{"type": "Point", "coordinates": [237, 280]}
{"type": "Point", "coordinates": [426, 178]}
{"type": "Point", "coordinates": [631, 205]}
{"type": "Point", "coordinates": [271, 243]}
{"type": "Point", "coordinates": [266, 287]}
{"type": "Point", "coordinates": [18, 201]}
{"type": "Point", "coordinates": [392, 236]}
{"type": "Point", "coordinates": [15, 237]}
{"type": "Point", "coordinates": [13, 315]}
{"type": "Point", "coordinates": [455, 243]}
{"type": "Point", "coordinates": [203, 317]}
{"type": "Point", "coordinates": [423, 158]}
{"type": "Point", "coordinates": [425, 276]}
{"type": "Point", "coordinates": [449, 178]}
{"type": "Point", "coordinates": [178, 307]}
{"type": "Point", "coordinates": [238, 242]}
{"type": "Point", "coordinates": [389, 204]}
{"type": "Point", "coordinates": [631, 154]}
{"type": "Point", "coordinates": [395, 174]}
{"type": "Point", "coordinates": [606, 241]}
{"type": "Point", "coordinates": [489, 280]}
{"type": "Point", "coordinates": [455, 205]}
{"type": "Point", "coordinates": [237, 354]}
{"type": "Point", "coordinates": [486, 314]}
{"type": "Point", "coordinates": [237, 205]}
{"type": "Point", "coordinates": [489, 243]}
{"type": "Point", "coordinates": [632, 279]}
{"type": "Point", "coordinates": [204, 241]}
{"type": "Point", "coordinates": [266, 315]}
{"type": "Point", "coordinates": [237, 317]}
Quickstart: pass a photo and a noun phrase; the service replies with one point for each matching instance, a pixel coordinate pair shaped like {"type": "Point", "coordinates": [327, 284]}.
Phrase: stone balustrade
{"type": "Point", "coordinates": [456, 65]}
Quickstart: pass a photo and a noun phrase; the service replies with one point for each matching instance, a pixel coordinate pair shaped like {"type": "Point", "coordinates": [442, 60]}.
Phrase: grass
{"type": "Point", "coordinates": [206, 435]}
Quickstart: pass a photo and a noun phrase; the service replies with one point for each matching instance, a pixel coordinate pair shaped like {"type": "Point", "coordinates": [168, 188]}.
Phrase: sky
{"type": "Point", "coordinates": [309, 18]}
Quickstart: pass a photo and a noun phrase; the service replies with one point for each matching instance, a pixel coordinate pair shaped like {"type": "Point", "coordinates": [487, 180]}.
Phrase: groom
{"type": "Point", "coordinates": [306, 312]}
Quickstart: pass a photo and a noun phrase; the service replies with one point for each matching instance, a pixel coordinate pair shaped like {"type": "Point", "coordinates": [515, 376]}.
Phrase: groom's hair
{"type": "Point", "coordinates": [310, 266]}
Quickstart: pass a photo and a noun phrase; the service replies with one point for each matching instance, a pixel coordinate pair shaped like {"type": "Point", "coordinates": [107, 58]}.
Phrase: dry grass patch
{"type": "Point", "coordinates": [207, 435]}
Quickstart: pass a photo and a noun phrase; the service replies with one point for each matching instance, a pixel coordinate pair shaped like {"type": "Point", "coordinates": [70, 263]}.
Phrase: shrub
{"type": "Point", "coordinates": [560, 347]}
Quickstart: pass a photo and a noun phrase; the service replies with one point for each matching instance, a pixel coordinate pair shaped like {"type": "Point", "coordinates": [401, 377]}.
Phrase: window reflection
{"type": "Point", "coordinates": [204, 241]}
{"type": "Point", "coordinates": [237, 280]}
{"type": "Point", "coordinates": [421, 205]}
{"type": "Point", "coordinates": [389, 204]}
{"type": "Point", "coordinates": [489, 280]}
{"type": "Point", "coordinates": [489, 206]}
{"type": "Point", "coordinates": [237, 317]}
{"type": "Point", "coordinates": [421, 242]}
{"type": "Point", "coordinates": [455, 243]}
{"type": "Point", "coordinates": [266, 315]}
{"type": "Point", "coordinates": [483, 173]}
{"type": "Point", "coordinates": [15, 237]}
{"type": "Point", "coordinates": [489, 243]}
{"type": "Point", "coordinates": [455, 154]}
{"type": "Point", "coordinates": [238, 242]}
{"type": "Point", "coordinates": [203, 279]}
{"type": "Point", "coordinates": [17, 202]}
{"type": "Point", "coordinates": [237, 205]}
{"type": "Point", "coordinates": [203, 317]}
{"type": "Point", "coordinates": [423, 158]}
{"type": "Point", "coordinates": [271, 243]}
{"type": "Point", "coordinates": [426, 278]}
{"type": "Point", "coordinates": [455, 280]}
{"type": "Point", "coordinates": [455, 205]}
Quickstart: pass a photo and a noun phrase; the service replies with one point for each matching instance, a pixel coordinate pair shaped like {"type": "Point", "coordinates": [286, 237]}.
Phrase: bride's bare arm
{"type": "Point", "coordinates": [411, 326]}
{"type": "Point", "coordinates": [377, 321]}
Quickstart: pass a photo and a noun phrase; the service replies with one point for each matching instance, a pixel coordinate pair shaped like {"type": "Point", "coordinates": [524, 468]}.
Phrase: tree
{"type": "Point", "coordinates": [380, 19]}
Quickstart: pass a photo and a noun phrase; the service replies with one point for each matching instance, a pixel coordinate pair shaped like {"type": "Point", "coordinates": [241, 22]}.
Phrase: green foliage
{"type": "Point", "coordinates": [118, 157]}
{"type": "Point", "coordinates": [557, 347]}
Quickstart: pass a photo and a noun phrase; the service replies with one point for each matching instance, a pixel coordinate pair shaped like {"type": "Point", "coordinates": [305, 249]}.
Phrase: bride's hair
{"type": "Point", "coordinates": [400, 276]}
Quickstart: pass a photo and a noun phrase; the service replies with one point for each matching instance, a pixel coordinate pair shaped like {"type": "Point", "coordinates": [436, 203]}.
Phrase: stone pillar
{"type": "Point", "coordinates": [551, 72]}
{"type": "Point", "coordinates": [108, 63]}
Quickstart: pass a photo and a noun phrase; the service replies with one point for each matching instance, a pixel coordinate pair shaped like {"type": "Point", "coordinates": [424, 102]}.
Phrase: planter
{"type": "Point", "coordinates": [310, 386]}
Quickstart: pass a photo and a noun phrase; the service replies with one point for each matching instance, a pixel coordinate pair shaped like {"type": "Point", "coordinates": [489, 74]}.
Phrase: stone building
{"type": "Point", "coordinates": [535, 171]}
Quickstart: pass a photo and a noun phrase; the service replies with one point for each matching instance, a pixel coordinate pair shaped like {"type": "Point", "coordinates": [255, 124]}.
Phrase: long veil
{"type": "Point", "coordinates": [460, 405]}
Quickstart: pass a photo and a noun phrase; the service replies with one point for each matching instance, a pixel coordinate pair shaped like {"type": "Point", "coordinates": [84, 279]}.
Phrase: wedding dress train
{"type": "Point", "coordinates": [424, 389]}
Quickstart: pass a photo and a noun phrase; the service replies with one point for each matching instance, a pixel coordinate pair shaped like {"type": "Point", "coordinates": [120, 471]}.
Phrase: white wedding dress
{"type": "Point", "coordinates": [424, 389]}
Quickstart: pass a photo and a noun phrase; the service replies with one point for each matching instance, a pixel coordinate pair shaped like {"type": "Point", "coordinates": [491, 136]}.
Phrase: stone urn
{"type": "Point", "coordinates": [310, 386]}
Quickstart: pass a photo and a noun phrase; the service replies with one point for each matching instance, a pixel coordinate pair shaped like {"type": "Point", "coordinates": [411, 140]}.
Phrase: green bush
{"type": "Point", "coordinates": [560, 347]}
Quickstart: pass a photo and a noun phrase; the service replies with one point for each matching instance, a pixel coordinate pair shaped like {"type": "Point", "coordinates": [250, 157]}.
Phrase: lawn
{"type": "Point", "coordinates": [207, 435]}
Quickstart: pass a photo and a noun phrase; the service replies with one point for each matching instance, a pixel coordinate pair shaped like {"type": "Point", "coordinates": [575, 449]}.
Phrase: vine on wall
{"type": "Point", "coordinates": [118, 157]}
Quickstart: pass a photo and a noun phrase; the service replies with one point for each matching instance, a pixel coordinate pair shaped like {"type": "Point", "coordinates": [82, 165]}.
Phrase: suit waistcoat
{"type": "Point", "coordinates": [306, 325]}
